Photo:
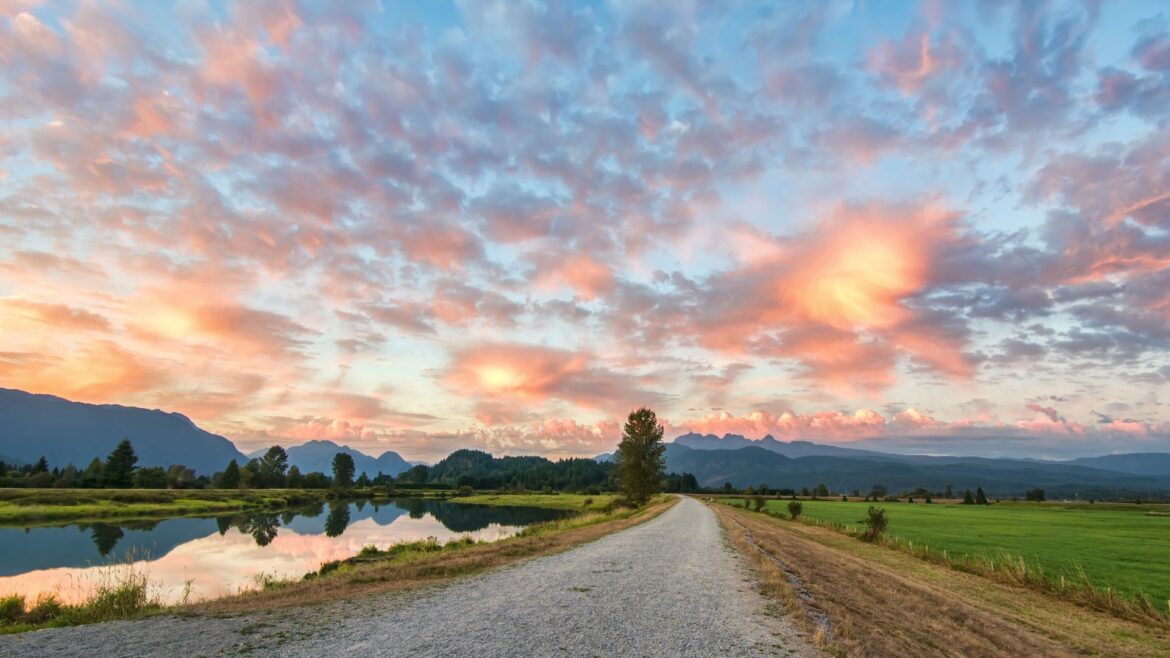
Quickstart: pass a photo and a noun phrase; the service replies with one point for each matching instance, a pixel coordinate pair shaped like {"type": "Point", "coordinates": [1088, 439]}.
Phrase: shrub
{"type": "Point", "coordinates": [875, 523]}
{"type": "Point", "coordinates": [47, 609]}
{"type": "Point", "coordinates": [465, 491]}
{"type": "Point", "coordinates": [795, 508]}
{"type": "Point", "coordinates": [758, 501]}
{"type": "Point", "coordinates": [587, 502]}
{"type": "Point", "coordinates": [11, 608]}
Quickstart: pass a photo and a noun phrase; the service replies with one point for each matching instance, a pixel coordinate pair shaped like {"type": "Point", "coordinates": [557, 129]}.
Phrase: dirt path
{"type": "Point", "coordinates": [668, 587]}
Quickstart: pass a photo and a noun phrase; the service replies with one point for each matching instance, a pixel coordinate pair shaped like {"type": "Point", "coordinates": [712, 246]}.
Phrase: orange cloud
{"type": "Point", "coordinates": [506, 375]}
{"type": "Point", "coordinates": [97, 371]}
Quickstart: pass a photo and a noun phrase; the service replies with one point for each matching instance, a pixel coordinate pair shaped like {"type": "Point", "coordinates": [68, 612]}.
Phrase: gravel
{"type": "Point", "coordinates": [667, 587]}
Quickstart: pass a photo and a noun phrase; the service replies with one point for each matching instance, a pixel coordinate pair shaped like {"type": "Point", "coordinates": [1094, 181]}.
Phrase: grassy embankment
{"type": "Point", "coordinates": [863, 599]}
{"type": "Point", "coordinates": [124, 593]}
{"type": "Point", "coordinates": [49, 506]}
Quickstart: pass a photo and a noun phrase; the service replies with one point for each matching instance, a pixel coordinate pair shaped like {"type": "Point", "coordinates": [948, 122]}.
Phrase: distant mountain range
{"type": "Point", "coordinates": [67, 432]}
{"type": "Point", "coordinates": [318, 456]}
{"type": "Point", "coordinates": [743, 462]}
{"type": "Point", "coordinates": [74, 433]}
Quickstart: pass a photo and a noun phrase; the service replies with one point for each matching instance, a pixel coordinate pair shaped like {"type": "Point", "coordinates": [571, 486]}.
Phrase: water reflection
{"type": "Point", "coordinates": [224, 554]}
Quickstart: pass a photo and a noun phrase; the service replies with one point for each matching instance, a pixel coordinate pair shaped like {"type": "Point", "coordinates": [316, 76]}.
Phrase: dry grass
{"type": "Point", "coordinates": [881, 602]}
{"type": "Point", "coordinates": [362, 578]}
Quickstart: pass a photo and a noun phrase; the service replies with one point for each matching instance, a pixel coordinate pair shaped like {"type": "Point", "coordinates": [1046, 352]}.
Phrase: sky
{"type": "Point", "coordinates": [937, 227]}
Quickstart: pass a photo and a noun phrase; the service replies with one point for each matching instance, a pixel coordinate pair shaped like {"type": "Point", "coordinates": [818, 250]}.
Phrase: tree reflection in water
{"type": "Point", "coordinates": [105, 537]}
{"type": "Point", "coordinates": [338, 519]}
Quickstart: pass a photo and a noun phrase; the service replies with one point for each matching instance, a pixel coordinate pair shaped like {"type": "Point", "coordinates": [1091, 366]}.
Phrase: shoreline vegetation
{"type": "Point", "coordinates": [789, 553]}
{"type": "Point", "coordinates": [123, 591]}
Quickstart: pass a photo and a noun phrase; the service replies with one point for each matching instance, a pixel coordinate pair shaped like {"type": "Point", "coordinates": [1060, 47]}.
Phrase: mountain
{"type": "Point", "coordinates": [604, 457]}
{"type": "Point", "coordinates": [1137, 463]}
{"type": "Point", "coordinates": [68, 432]}
{"type": "Point", "coordinates": [318, 456]}
{"type": "Point", "coordinates": [754, 465]}
{"type": "Point", "coordinates": [788, 449]}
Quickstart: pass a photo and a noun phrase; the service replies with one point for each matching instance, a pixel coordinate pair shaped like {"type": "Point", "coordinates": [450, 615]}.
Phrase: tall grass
{"type": "Point", "coordinates": [122, 590]}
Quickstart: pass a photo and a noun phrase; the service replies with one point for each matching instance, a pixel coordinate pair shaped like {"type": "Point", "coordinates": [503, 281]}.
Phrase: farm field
{"type": "Point", "coordinates": [1123, 547]}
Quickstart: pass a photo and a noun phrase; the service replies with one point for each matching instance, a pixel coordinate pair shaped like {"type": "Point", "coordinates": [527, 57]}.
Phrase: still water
{"type": "Point", "coordinates": [210, 557]}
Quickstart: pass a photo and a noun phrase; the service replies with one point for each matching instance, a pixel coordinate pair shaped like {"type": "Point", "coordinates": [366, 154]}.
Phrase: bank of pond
{"type": "Point", "coordinates": [191, 558]}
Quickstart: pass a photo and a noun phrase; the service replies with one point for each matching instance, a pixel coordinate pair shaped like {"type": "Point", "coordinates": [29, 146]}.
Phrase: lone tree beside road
{"type": "Point", "coordinates": [639, 456]}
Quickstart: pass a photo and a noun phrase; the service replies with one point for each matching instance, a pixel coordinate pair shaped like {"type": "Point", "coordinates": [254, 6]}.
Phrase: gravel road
{"type": "Point", "coordinates": [667, 587]}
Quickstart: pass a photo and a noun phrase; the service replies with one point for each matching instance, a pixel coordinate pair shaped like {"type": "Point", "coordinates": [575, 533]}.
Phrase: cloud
{"type": "Point", "coordinates": [513, 374]}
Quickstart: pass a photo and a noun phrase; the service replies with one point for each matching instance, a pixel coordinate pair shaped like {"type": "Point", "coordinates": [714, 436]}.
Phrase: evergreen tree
{"type": "Point", "coordinates": [42, 465]}
{"type": "Point", "coordinates": [968, 499]}
{"type": "Point", "coordinates": [342, 470]}
{"type": "Point", "coordinates": [639, 456]}
{"type": "Point", "coordinates": [294, 479]}
{"type": "Point", "coordinates": [980, 498]}
{"type": "Point", "coordinates": [231, 476]}
{"type": "Point", "coordinates": [119, 470]}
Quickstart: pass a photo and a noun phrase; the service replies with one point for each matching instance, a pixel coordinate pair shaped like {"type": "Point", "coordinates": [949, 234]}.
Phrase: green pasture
{"type": "Point", "coordinates": [1123, 547]}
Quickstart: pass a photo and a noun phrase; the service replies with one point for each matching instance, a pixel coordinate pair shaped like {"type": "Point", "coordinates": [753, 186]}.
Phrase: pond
{"type": "Point", "coordinates": [203, 558]}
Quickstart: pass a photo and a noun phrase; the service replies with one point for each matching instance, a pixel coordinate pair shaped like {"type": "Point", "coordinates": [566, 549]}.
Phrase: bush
{"type": "Point", "coordinates": [465, 491]}
{"type": "Point", "coordinates": [587, 502]}
{"type": "Point", "coordinates": [795, 508]}
{"type": "Point", "coordinates": [47, 609]}
{"type": "Point", "coordinates": [758, 501]}
{"type": "Point", "coordinates": [875, 523]}
{"type": "Point", "coordinates": [11, 608]}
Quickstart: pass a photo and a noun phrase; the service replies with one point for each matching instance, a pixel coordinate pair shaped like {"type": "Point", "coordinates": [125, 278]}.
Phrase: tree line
{"type": "Point", "coordinates": [473, 469]}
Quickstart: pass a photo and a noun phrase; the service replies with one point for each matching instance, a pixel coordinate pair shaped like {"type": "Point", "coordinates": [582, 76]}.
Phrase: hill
{"type": "Point", "coordinates": [66, 432]}
{"type": "Point", "coordinates": [1137, 463]}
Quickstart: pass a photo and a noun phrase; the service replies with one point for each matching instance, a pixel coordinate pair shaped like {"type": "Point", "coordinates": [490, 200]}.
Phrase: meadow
{"type": "Point", "coordinates": [1124, 547]}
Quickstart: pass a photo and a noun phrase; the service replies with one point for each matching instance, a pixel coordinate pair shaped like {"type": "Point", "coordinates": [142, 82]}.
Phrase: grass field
{"type": "Point", "coordinates": [1123, 547]}
{"type": "Point", "coordinates": [23, 506]}
{"type": "Point", "coordinates": [574, 502]}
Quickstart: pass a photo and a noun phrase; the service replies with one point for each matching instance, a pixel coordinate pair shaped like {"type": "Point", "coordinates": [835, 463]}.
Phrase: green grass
{"type": "Point", "coordinates": [24, 506]}
{"type": "Point", "coordinates": [122, 592]}
{"type": "Point", "coordinates": [549, 501]}
{"type": "Point", "coordinates": [1126, 548]}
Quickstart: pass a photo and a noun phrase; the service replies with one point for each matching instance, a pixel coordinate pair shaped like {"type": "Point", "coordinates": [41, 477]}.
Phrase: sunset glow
{"type": "Point", "coordinates": [503, 225]}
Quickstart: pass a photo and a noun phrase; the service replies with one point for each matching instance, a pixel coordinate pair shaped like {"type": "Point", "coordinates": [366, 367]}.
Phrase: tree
{"type": "Point", "coordinates": [180, 477]}
{"type": "Point", "coordinates": [119, 470]}
{"type": "Point", "coordinates": [968, 499]}
{"type": "Point", "coordinates": [804, 491]}
{"type": "Point", "coordinates": [153, 477]}
{"type": "Point", "coordinates": [763, 489]}
{"type": "Point", "coordinates": [1036, 495]}
{"type": "Point", "coordinates": [875, 523]}
{"type": "Point", "coordinates": [363, 481]}
{"type": "Point", "coordinates": [980, 497]}
{"type": "Point", "coordinates": [294, 479]}
{"type": "Point", "coordinates": [639, 456]}
{"type": "Point", "coordinates": [343, 470]}
{"type": "Point", "coordinates": [795, 508]}
{"type": "Point", "coordinates": [42, 465]}
{"type": "Point", "coordinates": [822, 491]}
{"type": "Point", "coordinates": [879, 491]}
{"type": "Point", "coordinates": [273, 465]}
{"type": "Point", "coordinates": [231, 476]}
{"type": "Point", "coordinates": [94, 474]}
{"type": "Point", "coordinates": [758, 502]}
{"type": "Point", "coordinates": [416, 474]}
